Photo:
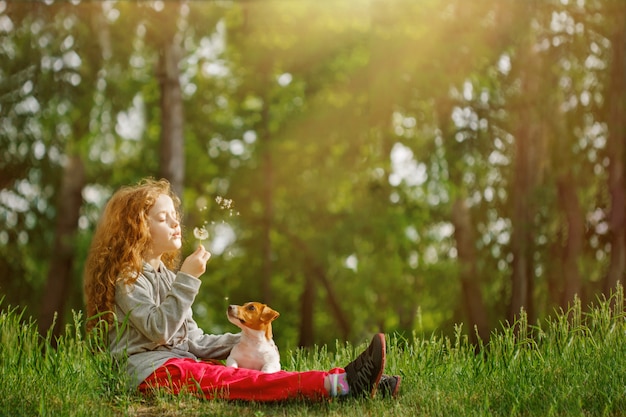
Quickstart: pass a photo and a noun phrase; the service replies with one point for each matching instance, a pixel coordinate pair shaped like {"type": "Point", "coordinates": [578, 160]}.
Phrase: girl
{"type": "Point", "coordinates": [129, 284]}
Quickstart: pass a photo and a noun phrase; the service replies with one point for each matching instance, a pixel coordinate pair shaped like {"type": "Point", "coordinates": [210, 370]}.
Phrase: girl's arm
{"type": "Point", "coordinates": [210, 346]}
{"type": "Point", "coordinates": [158, 323]}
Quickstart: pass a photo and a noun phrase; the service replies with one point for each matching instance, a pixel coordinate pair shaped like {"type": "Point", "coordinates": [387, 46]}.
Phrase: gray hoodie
{"type": "Point", "coordinates": [155, 323]}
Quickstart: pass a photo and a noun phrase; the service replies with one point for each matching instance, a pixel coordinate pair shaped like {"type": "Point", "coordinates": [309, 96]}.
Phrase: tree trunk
{"type": "Point", "coordinates": [470, 278]}
{"type": "Point", "coordinates": [62, 256]}
{"type": "Point", "coordinates": [521, 246]}
{"type": "Point", "coordinates": [172, 151]}
{"type": "Point", "coordinates": [268, 207]}
{"type": "Point", "coordinates": [263, 69]}
{"type": "Point", "coordinates": [472, 300]}
{"type": "Point", "coordinates": [615, 148]}
{"type": "Point", "coordinates": [317, 272]}
{"type": "Point", "coordinates": [526, 165]}
{"type": "Point", "coordinates": [572, 280]}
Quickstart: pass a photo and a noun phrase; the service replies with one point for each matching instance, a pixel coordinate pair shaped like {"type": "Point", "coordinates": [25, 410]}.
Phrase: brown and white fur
{"type": "Point", "coordinates": [256, 348]}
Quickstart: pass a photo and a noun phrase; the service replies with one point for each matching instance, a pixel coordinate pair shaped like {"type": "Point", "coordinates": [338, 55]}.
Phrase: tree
{"type": "Point", "coordinates": [616, 93]}
{"type": "Point", "coordinates": [80, 80]}
{"type": "Point", "coordinates": [172, 152]}
{"type": "Point", "coordinates": [427, 170]}
{"type": "Point", "coordinates": [288, 146]}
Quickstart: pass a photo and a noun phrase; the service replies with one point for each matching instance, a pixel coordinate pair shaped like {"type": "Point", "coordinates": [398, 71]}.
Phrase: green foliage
{"type": "Point", "coordinates": [46, 377]}
{"type": "Point", "coordinates": [571, 364]}
{"type": "Point", "coordinates": [293, 109]}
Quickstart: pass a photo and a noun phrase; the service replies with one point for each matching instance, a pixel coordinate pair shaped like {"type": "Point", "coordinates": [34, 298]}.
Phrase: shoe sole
{"type": "Point", "coordinates": [381, 337]}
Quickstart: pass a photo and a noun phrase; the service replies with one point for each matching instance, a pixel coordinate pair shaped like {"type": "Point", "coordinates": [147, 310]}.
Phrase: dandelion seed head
{"type": "Point", "coordinates": [201, 233]}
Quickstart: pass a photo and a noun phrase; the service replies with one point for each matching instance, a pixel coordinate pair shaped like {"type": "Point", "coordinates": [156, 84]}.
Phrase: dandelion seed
{"type": "Point", "coordinates": [224, 203]}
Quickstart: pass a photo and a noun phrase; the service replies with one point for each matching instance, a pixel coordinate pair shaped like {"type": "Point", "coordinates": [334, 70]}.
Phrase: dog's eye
{"type": "Point", "coordinates": [251, 308]}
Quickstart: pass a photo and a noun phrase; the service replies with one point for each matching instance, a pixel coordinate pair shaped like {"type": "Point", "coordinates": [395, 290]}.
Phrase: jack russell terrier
{"type": "Point", "coordinates": [256, 348]}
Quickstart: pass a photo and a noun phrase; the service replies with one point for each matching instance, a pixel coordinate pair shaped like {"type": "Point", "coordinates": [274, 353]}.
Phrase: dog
{"type": "Point", "coordinates": [256, 348]}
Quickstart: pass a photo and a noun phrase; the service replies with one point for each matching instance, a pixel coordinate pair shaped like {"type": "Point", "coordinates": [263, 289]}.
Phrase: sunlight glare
{"type": "Point", "coordinates": [405, 168]}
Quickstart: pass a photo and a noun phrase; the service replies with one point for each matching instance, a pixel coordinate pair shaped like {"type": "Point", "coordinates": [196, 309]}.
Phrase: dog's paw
{"type": "Point", "coordinates": [270, 368]}
{"type": "Point", "coordinates": [232, 363]}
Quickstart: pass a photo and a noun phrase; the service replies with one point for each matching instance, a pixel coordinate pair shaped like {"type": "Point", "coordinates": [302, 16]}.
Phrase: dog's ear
{"type": "Point", "coordinates": [268, 314]}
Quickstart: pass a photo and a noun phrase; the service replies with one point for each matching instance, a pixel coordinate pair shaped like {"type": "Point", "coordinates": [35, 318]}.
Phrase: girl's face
{"type": "Point", "coordinates": [164, 226]}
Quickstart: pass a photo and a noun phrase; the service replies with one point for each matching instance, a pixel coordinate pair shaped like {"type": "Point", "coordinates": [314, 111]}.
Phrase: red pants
{"type": "Point", "coordinates": [212, 380]}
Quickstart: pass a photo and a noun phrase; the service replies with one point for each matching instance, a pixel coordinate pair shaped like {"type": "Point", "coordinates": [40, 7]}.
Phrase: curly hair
{"type": "Point", "coordinates": [119, 242]}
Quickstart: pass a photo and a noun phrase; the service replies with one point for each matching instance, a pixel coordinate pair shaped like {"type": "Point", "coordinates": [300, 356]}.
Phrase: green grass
{"type": "Point", "coordinates": [572, 364]}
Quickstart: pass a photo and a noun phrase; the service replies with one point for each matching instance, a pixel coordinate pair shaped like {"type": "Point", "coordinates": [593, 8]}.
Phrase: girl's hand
{"type": "Point", "coordinates": [195, 264]}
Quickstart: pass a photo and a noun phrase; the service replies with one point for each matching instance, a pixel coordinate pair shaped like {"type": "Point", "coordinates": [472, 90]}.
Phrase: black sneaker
{"type": "Point", "coordinates": [389, 385]}
{"type": "Point", "coordinates": [364, 372]}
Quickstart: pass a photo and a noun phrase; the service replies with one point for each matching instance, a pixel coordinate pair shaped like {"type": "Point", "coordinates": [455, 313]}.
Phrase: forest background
{"type": "Point", "coordinates": [361, 165]}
